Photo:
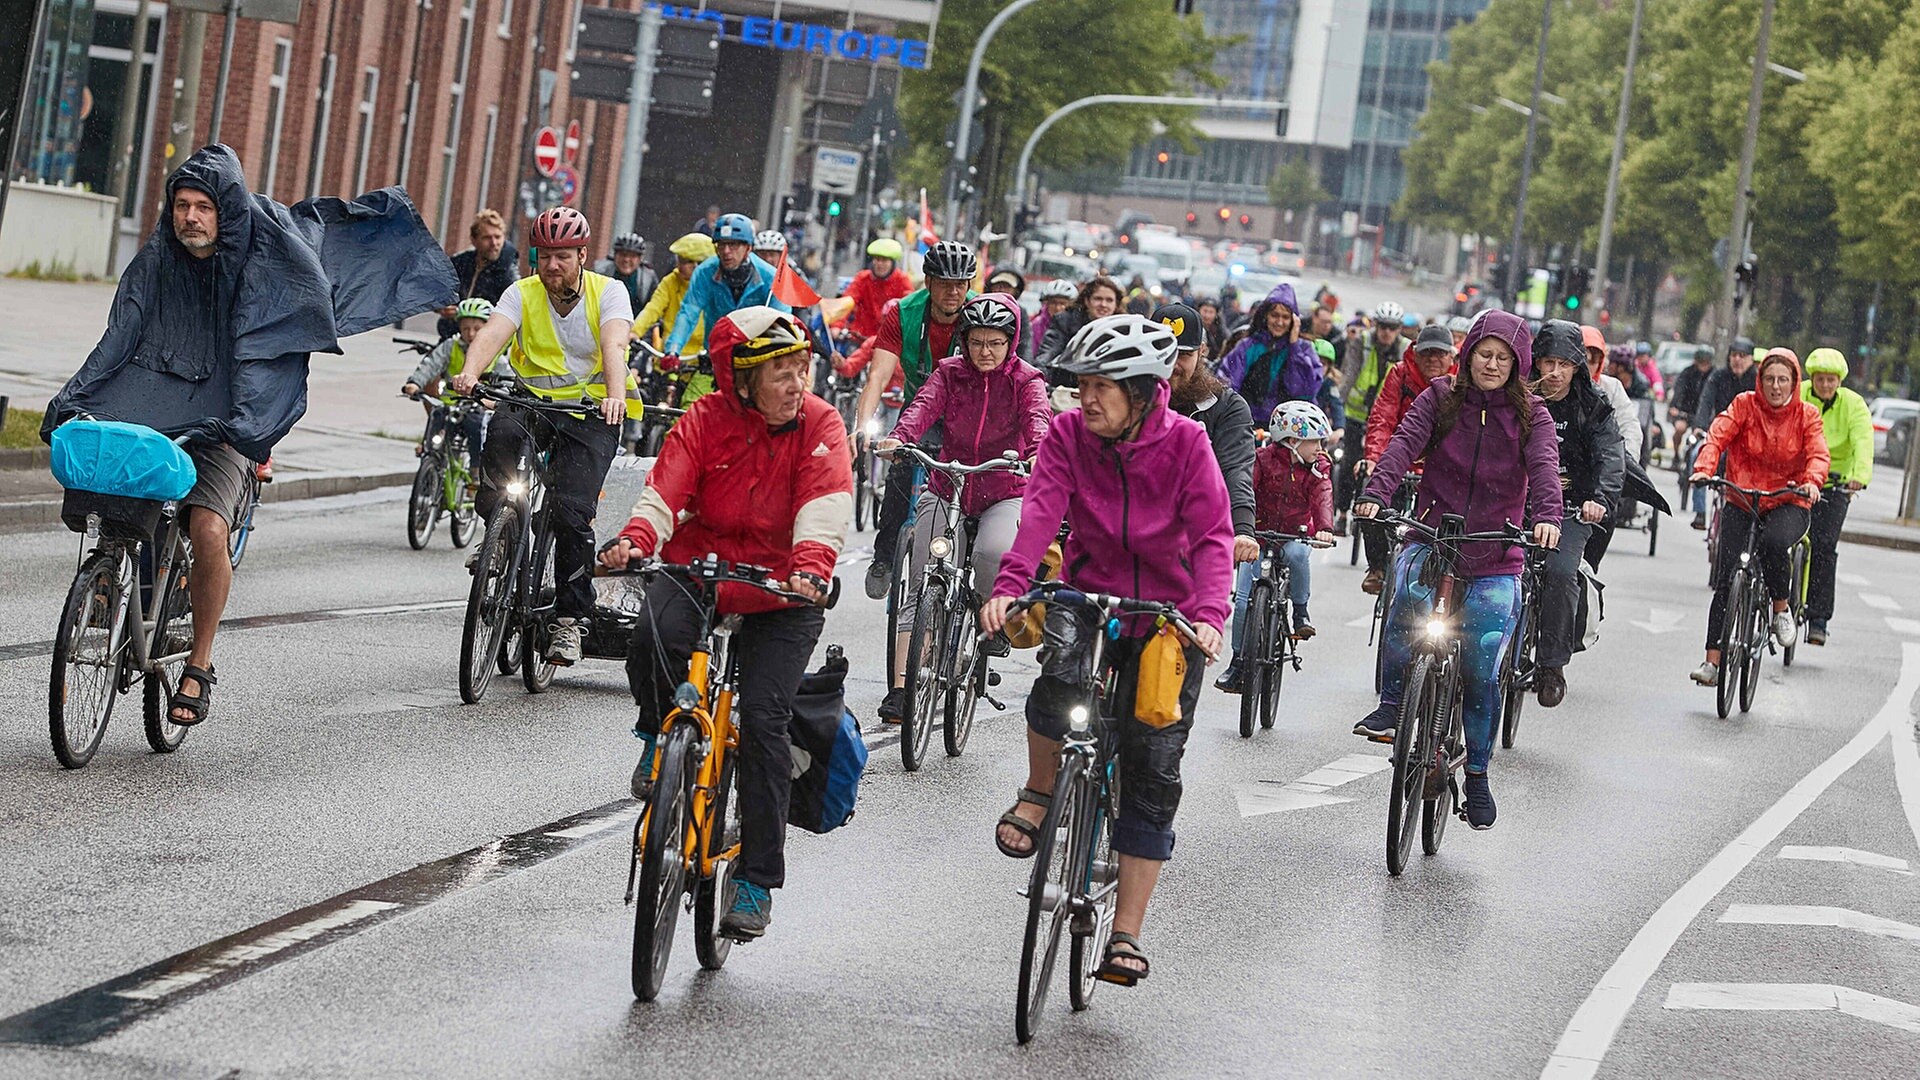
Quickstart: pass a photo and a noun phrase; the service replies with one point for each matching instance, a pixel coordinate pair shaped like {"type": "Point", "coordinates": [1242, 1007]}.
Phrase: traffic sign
{"type": "Point", "coordinates": [546, 150]}
{"type": "Point", "coordinates": [836, 171]}
{"type": "Point", "coordinates": [570, 150]}
{"type": "Point", "coordinates": [568, 179]}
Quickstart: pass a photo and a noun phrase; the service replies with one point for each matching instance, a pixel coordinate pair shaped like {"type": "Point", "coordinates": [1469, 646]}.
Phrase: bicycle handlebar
{"type": "Point", "coordinates": [715, 571]}
{"type": "Point", "coordinates": [525, 397]}
{"type": "Point", "coordinates": [416, 344]}
{"type": "Point", "coordinates": [1103, 603]}
{"type": "Point", "coordinates": [1266, 536]}
{"type": "Point", "coordinates": [1723, 482]}
{"type": "Point", "coordinates": [1512, 535]}
{"type": "Point", "coordinates": [1008, 461]}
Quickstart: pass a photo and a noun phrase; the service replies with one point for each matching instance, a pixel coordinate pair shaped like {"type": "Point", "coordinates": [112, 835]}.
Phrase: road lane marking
{"type": "Point", "coordinates": [1819, 915]}
{"type": "Point", "coordinates": [1858, 581]}
{"type": "Point", "coordinates": [1906, 769]}
{"type": "Point", "coordinates": [1880, 600]}
{"type": "Point", "coordinates": [1274, 796]}
{"type": "Point", "coordinates": [1584, 1043]}
{"type": "Point", "coordinates": [175, 981]}
{"type": "Point", "coordinates": [594, 828]}
{"type": "Point", "coordinates": [26, 649]}
{"type": "Point", "coordinates": [1910, 627]}
{"type": "Point", "coordinates": [1662, 621]}
{"type": "Point", "coordinates": [1845, 855]}
{"type": "Point", "coordinates": [1795, 997]}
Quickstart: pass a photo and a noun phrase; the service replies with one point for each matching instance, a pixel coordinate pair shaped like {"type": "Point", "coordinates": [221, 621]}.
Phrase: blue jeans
{"type": "Point", "coordinates": [1699, 491]}
{"type": "Point", "coordinates": [1299, 560]}
{"type": "Point", "coordinates": [1490, 605]}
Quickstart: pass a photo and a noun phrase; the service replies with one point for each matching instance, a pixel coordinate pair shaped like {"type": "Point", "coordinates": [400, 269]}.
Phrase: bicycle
{"type": "Point", "coordinates": [869, 468]}
{"type": "Point", "coordinates": [1520, 665]}
{"type": "Point", "coordinates": [1270, 645]}
{"type": "Point", "coordinates": [688, 837]}
{"type": "Point", "coordinates": [242, 528]}
{"type": "Point", "coordinates": [116, 628]}
{"type": "Point", "coordinates": [1377, 632]}
{"type": "Point", "coordinates": [945, 672]}
{"type": "Point", "coordinates": [663, 384]}
{"type": "Point", "coordinates": [1429, 744]}
{"type": "Point", "coordinates": [1745, 636]}
{"type": "Point", "coordinates": [1075, 881]}
{"type": "Point", "coordinates": [442, 483]}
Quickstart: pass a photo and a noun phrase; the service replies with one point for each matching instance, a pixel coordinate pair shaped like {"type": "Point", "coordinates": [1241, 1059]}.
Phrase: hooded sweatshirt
{"type": "Point", "coordinates": [985, 413]}
{"type": "Point", "coordinates": [1768, 447]}
{"type": "Point", "coordinates": [1267, 371]}
{"type": "Point", "coordinates": [1593, 462]}
{"type": "Point", "coordinates": [1149, 517]}
{"type": "Point", "coordinates": [1484, 469]}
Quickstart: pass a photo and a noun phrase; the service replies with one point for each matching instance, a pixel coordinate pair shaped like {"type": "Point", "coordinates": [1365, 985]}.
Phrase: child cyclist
{"type": "Point", "coordinates": [1292, 494]}
{"type": "Point", "coordinates": [445, 361]}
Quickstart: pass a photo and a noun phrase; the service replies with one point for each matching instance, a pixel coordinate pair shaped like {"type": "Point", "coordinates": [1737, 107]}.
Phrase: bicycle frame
{"type": "Point", "coordinates": [140, 634]}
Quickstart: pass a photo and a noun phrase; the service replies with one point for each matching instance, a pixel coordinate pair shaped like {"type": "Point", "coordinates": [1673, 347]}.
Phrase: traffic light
{"type": "Point", "coordinates": [1192, 218]}
{"type": "Point", "coordinates": [1162, 157]}
{"type": "Point", "coordinates": [1246, 222]}
{"type": "Point", "coordinates": [1744, 276]}
{"type": "Point", "coordinates": [1226, 214]}
{"type": "Point", "coordinates": [833, 208]}
{"type": "Point", "coordinates": [787, 205]}
{"type": "Point", "coordinates": [1577, 279]}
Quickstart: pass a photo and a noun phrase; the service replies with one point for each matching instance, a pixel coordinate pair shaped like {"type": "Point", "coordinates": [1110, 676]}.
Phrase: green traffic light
{"type": "Point", "coordinates": [833, 208]}
{"type": "Point", "coordinates": [1573, 303]}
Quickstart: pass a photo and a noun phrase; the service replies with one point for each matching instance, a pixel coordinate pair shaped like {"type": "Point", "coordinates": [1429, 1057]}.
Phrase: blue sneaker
{"type": "Point", "coordinates": [642, 784]}
{"type": "Point", "coordinates": [1380, 724]}
{"type": "Point", "coordinates": [752, 910]}
{"type": "Point", "coordinates": [1479, 801]}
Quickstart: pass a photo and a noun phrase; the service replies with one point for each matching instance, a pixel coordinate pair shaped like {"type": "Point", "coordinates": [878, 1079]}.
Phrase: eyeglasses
{"type": "Point", "coordinates": [995, 346]}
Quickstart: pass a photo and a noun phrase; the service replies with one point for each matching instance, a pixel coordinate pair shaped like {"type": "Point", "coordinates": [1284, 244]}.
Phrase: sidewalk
{"type": "Point", "coordinates": [1874, 516]}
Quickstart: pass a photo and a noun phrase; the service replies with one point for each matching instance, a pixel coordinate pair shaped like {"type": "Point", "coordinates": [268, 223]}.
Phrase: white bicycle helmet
{"type": "Point", "coordinates": [1459, 324]}
{"type": "Point", "coordinates": [1058, 288]}
{"type": "Point", "coordinates": [1386, 311]}
{"type": "Point", "coordinates": [770, 240]}
{"type": "Point", "coordinates": [1120, 347]}
{"type": "Point", "coordinates": [1299, 420]}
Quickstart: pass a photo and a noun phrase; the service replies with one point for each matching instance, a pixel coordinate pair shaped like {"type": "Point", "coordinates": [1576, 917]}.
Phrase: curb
{"type": "Point", "coordinates": [37, 513]}
{"type": "Point", "coordinates": [1880, 540]}
{"type": "Point", "coordinates": [35, 457]}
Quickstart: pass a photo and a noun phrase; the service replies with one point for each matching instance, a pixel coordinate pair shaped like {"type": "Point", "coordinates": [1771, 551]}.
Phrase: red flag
{"type": "Point", "coordinates": [791, 288]}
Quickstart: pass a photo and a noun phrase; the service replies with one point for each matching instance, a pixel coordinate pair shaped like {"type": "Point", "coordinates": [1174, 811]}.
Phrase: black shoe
{"type": "Point", "coordinates": [1551, 686]}
{"type": "Point", "coordinates": [1700, 521]}
{"type": "Point", "coordinates": [752, 910]}
{"type": "Point", "coordinates": [1381, 724]}
{"type": "Point", "coordinates": [1231, 679]}
{"type": "Point", "coordinates": [879, 578]}
{"type": "Point", "coordinates": [1302, 625]}
{"type": "Point", "coordinates": [893, 707]}
{"type": "Point", "coordinates": [1817, 632]}
{"type": "Point", "coordinates": [1479, 801]}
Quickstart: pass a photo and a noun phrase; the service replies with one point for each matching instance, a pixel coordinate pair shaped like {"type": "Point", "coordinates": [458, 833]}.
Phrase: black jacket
{"type": "Point", "coordinates": [1683, 397]}
{"type": "Point", "coordinates": [1719, 391]}
{"type": "Point", "coordinates": [1059, 331]}
{"type": "Point", "coordinates": [1229, 424]}
{"type": "Point", "coordinates": [486, 282]}
{"type": "Point", "coordinates": [1593, 462]}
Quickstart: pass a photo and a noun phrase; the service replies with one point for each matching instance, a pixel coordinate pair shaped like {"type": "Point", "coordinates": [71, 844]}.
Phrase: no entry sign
{"type": "Point", "coordinates": [546, 151]}
{"type": "Point", "coordinates": [571, 148]}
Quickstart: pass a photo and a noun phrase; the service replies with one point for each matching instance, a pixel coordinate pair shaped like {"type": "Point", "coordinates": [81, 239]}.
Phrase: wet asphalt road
{"type": "Point", "coordinates": [338, 755]}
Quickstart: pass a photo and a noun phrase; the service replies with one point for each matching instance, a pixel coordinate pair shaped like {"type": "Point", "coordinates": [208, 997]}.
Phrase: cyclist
{"type": "Point", "coordinates": [871, 289]}
{"type": "Point", "coordinates": [1010, 281]}
{"type": "Point", "coordinates": [1687, 385]}
{"type": "Point", "coordinates": [732, 279]}
{"type": "Point", "coordinates": [1649, 370]}
{"type": "Point", "coordinates": [440, 366]}
{"type": "Point", "coordinates": [1848, 429]}
{"type": "Point", "coordinates": [1055, 295]}
{"type": "Point", "coordinates": [1593, 467]}
{"type": "Point", "coordinates": [485, 269]}
{"type": "Point", "coordinates": [1772, 439]}
{"type": "Point", "coordinates": [568, 328]}
{"type": "Point", "coordinates": [1716, 394]}
{"type": "Point", "coordinates": [1099, 297]}
{"type": "Point", "coordinates": [1432, 359]}
{"type": "Point", "coordinates": [1458, 326]}
{"type": "Point", "coordinates": [1274, 363]}
{"type": "Point", "coordinates": [1293, 494]}
{"type": "Point", "coordinates": [1211, 323]}
{"type": "Point", "coordinates": [1363, 368]}
{"type": "Point", "coordinates": [1491, 458]}
{"type": "Point", "coordinates": [628, 266]}
{"type": "Point", "coordinates": [757, 472]}
{"type": "Point", "coordinates": [663, 310]}
{"type": "Point", "coordinates": [990, 401]}
{"type": "Point", "coordinates": [914, 334]}
{"type": "Point", "coordinates": [1148, 511]}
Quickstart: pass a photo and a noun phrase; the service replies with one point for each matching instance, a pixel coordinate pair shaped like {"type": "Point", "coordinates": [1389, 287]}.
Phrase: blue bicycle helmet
{"type": "Point", "coordinates": [733, 227]}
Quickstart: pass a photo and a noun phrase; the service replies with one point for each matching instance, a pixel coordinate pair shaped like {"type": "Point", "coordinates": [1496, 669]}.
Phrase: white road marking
{"type": "Point", "coordinates": [1898, 625]}
{"type": "Point", "coordinates": [174, 981]}
{"type": "Point", "coordinates": [1880, 600]}
{"type": "Point", "coordinates": [1856, 580]}
{"type": "Point", "coordinates": [1906, 768]}
{"type": "Point", "coordinates": [1583, 1045]}
{"type": "Point", "coordinates": [1362, 621]}
{"type": "Point", "coordinates": [1662, 621]}
{"type": "Point", "coordinates": [1273, 797]}
{"type": "Point", "coordinates": [1817, 915]}
{"type": "Point", "coordinates": [1795, 997]}
{"type": "Point", "coordinates": [593, 827]}
{"type": "Point", "coordinates": [1846, 855]}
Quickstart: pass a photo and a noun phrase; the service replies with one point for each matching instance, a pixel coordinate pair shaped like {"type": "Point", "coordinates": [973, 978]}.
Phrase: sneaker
{"type": "Point", "coordinates": [1381, 724]}
{"type": "Point", "coordinates": [642, 783]}
{"type": "Point", "coordinates": [563, 643]}
{"type": "Point", "coordinates": [1700, 521]}
{"type": "Point", "coordinates": [879, 578]}
{"type": "Point", "coordinates": [1550, 685]}
{"type": "Point", "coordinates": [1707, 674]}
{"type": "Point", "coordinates": [1340, 524]}
{"type": "Point", "coordinates": [1372, 583]}
{"type": "Point", "coordinates": [752, 910]}
{"type": "Point", "coordinates": [1817, 633]}
{"type": "Point", "coordinates": [1302, 625]}
{"type": "Point", "coordinates": [1784, 628]}
{"type": "Point", "coordinates": [1479, 801]}
{"type": "Point", "coordinates": [893, 707]}
{"type": "Point", "coordinates": [1231, 679]}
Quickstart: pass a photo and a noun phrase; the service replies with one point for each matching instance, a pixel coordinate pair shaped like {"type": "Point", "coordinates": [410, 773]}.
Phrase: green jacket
{"type": "Point", "coordinates": [1849, 430]}
{"type": "Point", "coordinates": [914, 360]}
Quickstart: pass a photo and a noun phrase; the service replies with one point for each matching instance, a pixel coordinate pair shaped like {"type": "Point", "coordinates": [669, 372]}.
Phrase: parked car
{"type": "Point", "coordinates": [1898, 438]}
{"type": "Point", "coordinates": [1468, 298]}
{"type": "Point", "coordinates": [1887, 411]}
{"type": "Point", "coordinates": [1671, 357]}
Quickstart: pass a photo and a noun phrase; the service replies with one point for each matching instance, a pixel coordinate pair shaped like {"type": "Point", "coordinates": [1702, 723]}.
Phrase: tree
{"type": "Point", "coordinates": [1296, 186]}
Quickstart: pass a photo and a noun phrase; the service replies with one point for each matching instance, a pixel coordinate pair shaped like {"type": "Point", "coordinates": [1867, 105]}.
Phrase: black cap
{"type": "Point", "coordinates": [1434, 337]}
{"type": "Point", "coordinates": [1183, 321]}
{"type": "Point", "coordinates": [1741, 344]}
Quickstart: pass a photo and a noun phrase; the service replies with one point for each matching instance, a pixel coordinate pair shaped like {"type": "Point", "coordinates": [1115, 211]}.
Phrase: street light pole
{"type": "Point", "coordinates": [1602, 270]}
{"type": "Point", "coordinates": [963, 127]}
{"type": "Point", "coordinates": [1727, 324]}
{"type": "Point", "coordinates": [1514, 261]}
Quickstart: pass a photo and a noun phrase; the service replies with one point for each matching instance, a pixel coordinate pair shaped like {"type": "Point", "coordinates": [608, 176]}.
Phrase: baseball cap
{"type": "Point", "coordinates": [1183, 321]}
{"type": "Point", "coordinates": [1433, 337]}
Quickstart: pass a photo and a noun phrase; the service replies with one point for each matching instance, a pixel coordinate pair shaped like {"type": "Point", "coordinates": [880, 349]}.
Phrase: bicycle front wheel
{"type": "Point", "coordinates": [1439, 806]}
{"type": "Point", "coordinates": [663, 869]}
{"type": "Point", "coordinates": [423, 503]}
{"type": "Point", "coordinates": [489, 603]}
{"type": "Point", "coordinates": [860, 490]}
{"type": "Point", "coordinates": [1097, 868]}
{"type": "Point", "coordinates": [88, 651]}
{"type": "Point", "coordinates": [712, 896]}
{"type": "Point", "coordinates": [1049, 895]}
{"type": "Point", "coordinates": [1255, 657]}
{"type": "Point", "coordinates": [926, 659]}
{"type": "Point", "coordinates": [1282, 651]}
{"type": "Point", "coordinates": [1410, 760]}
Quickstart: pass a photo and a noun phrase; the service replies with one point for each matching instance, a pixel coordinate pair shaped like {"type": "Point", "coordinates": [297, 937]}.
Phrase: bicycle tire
{"type": "Point", "coordinates": [1254, 656]}
{"type": "Point", "coordinates": [1653, 532]}
{"type": "Point", "coordinates": [1796, 599]}
{"type": "Point", "coordinates": [1755, 651]}
{"type": "Point", "coordinates": [1731, 651]}
{"type": "Point", "coordinates": [860, 486]}
{"type": "Point", "coordinates": [663, 829]}
{"type": "Point", "coordinates": [424, 503]}
{"type": "Point", "coordinates": [712, 896]}
{"type": "Point", "coordinates": [464, 514]}
{"type": "Point", "coordinates": [490, 604]}
{"type": "Point", "coordinates": [156, 696]}
{"type": "Point", "coordinates": [1102, 877]}
{"type": "Point", "coordinates": [1047, 907]}
{"type": "Point", "coordinates": [536, 671]}
{"type": "Point", "coordinates": [92, 599]}
{"type": "Point", "coordinates": [1513, 693]}
{"type": "Point", "coordinates": [925, 656]}
{"type": "Point", "coordinates": [1277, 672]}
{"type": "Point", "coordinates": [238, 537]}
{"type": "Point", "coordinates": [1353, 553]}
{"type": "Point", "coordinates": [1435, 812]}
{"type": "Point", "coordinates": [1409, 763]}
{"type": "Point", "coordinates": [963, 691]}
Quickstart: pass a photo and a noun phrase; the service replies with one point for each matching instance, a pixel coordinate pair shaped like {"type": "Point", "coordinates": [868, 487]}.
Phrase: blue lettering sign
{"type": "Point", "coordinates": [756, 30]}
{"type": "Point", "coordinates": [767, 33]}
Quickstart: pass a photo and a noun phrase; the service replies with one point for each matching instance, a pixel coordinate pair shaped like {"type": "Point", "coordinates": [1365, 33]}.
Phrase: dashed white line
{"type": "Point", "coordinates": [1855, 580]}
{"type": "Point", "coordinates": [1910, 627]}
{"type": "Point", "coordinates": [1795, 997]}
{"type": "Point", "coordinates": [1845, 855]}
{"type": "Point", "coordinates": [1880, 600]}
{"type": "Point", "coordinates": [253, 950]}
{"type": "Point", "coordinates": [1818, 915]}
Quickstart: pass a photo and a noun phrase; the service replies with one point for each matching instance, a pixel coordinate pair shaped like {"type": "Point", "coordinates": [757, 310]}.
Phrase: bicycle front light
{"type": "Point", "coordinates": [873, 428]}
{"type": "Point", "coordinates": [516, 487]}
{"type": "Point", "coordinates": [1436, 628]}
{"type": "Point", "coordinates": [940, 547]}
{"type": "Point", "coordinates": [686, 697]}
{"type": "Point", "coordinates": [1077, 719]}
{"type": "Point", "coordinates": [438, 438]}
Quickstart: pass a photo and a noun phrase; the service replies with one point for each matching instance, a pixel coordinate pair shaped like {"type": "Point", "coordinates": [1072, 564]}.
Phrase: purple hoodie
{"type": "Point", "coordinates": [1150, 517]}
{"type": "Point", "coordinates": [1481, 470]}
{"type": "Point", "coordinates": [986, 413]}
{"type": "Point", "coordinates": [1301, 371]}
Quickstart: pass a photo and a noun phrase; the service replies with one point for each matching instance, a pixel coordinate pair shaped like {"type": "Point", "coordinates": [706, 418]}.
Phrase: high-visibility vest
{"type": "Point", "coordinates": [537, 356]}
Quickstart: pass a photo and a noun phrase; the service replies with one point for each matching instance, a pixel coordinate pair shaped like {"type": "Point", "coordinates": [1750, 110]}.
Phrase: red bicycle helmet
{"type": "Point", "coordinates": [561, 227]}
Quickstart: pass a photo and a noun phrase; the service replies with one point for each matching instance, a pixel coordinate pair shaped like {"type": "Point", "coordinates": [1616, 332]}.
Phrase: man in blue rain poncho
{"type": "Point", "coordinates": [210, 331]}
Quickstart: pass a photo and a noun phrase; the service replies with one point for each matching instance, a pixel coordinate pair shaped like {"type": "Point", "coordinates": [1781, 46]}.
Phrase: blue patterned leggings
{"type": "Point", "coordinates": [1490, 607]}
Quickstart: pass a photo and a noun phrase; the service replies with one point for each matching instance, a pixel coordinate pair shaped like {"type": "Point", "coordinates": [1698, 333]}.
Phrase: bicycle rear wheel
{"type": "Point", "coordinates": [1410, 760]}
{"type": "Point", "coordinates": [926, 661]}
{"type": "Point", "coordinates": [1098, 871]}
{"type": "Point", "coordinates": [88, 651]}
{"type": "Point", "coordinates": [663, 834]}
{"type": "Point", "coordinates": [490, 603]}
{"type": "Point", "coordinates": [712, 896]}
{"type": "Point", "coordinates": [969, 679]}
{"type": "Point", "coordinates": [1256, 658]}
{"type": "Point", "coordinates": [1048, 892]}
{"type": "Point", "coordinates": [1755, 629]}
{"type": "Point", "coordinates": [424, 502]}
{"type": "Point", "coordinates": [163, 735]}
{"type": "Point", "coordinates": [1732, 647]}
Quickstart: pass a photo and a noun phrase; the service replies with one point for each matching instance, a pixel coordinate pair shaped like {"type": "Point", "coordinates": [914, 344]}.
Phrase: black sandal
{"type": "Point", "coordinates": [1123, 947]}
{"type": "Point", "coordinates": [194, 704]}
{"type": "Point", "coordinates": [1028, 829]}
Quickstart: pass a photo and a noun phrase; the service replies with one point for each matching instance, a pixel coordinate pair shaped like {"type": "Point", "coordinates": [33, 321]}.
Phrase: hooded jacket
{"type": "Point", "coordinates": [1292, 496]}
{"type": "Point", "coordinates": [1769, 447]}
{"type": "Point", "coordinates": [1593, 462]}
{"type": "Point", "coordinates": [985, 413]}
{"type": "Point", "coordinates": [726, 483]}
{"type": "Point", "coordinates": [1484, 469]}
{"type": "Point", "coordinates": [663, 308]}
{"type": "Point", "coordinates": [1402, 385]}
{"type": "Point", "coordinates": [1267, 371]}
{"type": "Point", "coordinates": [216, 349]}
{"type": "Point", "coordinates": [1149, 516]}
{"type": "Point", "coordinates": [708, 300]}
{"type": "Point", "coordinates": [1847, 425]}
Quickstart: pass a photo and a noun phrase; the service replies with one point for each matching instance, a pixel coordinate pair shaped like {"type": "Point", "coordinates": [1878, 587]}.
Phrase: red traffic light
{"type": "Point", "coordinates": [1162, 157]}
{"type": "Point", "coordinates": [1246, 219]}
{"type": "Point", "coordinates": [1192, 217]}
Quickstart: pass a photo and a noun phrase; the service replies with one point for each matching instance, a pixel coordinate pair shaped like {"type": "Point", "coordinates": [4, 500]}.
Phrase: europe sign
{"type": "Point", "coordinates": [840, 44]}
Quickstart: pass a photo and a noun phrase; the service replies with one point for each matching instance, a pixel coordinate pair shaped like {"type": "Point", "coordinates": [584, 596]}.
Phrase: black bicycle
{"type": "Point", "coordinates": [1745, 636]}
{"type": "Point", "coordinates": [1377, 633]}
{"type": "Point", "coordinates": [663, 383]}
{"type": "Point", "coordinates": [1521, 663]}
{"type": "Point", "coordinates": [1270, 646]}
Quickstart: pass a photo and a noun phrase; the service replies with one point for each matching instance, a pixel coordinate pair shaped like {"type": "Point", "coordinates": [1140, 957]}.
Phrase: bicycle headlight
{"type": "Point", "coordinates": [438, 438]}
{"type": "Point", "coordinates": [873, 428]}
{"type": "Point", "coordinates": [686, 697]}
{"type": "Point", "coordinates": [1077, 719]}
{"type": "Point", "coordinates": [1436, 628]}
{"type": "Point", "coordinates": [940, 547]}
{"type": "Point", "coordinates": [516, 487]}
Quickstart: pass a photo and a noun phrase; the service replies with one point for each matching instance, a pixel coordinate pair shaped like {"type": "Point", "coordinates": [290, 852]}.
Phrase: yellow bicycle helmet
{"type": "Point", "coordinates": [885, 248]}
{"type": "Point", "coordinates": [694, 247]}
{"type": "Point", "coordinates": [1827, 362]}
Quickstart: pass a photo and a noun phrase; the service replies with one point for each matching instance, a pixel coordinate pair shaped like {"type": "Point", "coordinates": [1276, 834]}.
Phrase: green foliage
{"type": "Point", "coordinates": [1296, 186]}
{"type": "Point", "coordinates": [22, 430]}
{"type": "Point", "coordinates": [1868, 150]}
{"type": "Point", "coordinates": [56, 270]}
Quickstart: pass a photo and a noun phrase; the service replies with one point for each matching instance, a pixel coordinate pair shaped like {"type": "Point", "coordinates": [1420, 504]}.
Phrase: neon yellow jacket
{"type": "Point", "coordinates": [663, 307]}
{"type": "Point", "coordinates": [1849, 430]}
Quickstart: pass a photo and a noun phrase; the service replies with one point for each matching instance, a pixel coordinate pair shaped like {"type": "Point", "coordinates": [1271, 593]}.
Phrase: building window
{"type": "Point", "coordinates": [321, 125]}
{"type": "Point", "coordinates": [276, 107]}
{"type": "Point", "coordinates": [457, 98]}
{"type": "Point", "coordinates": [369, 89]}
{"type": "Point", "coordinates": [506, 19]}
{"type": "Point", "coordinates": [486, 157]}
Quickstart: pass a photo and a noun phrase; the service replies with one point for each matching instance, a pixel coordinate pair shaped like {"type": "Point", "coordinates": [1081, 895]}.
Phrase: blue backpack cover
{"type": "Point", "coordinates": [829, 756]}
{"type": "Point", "coordinates": [133, 461]}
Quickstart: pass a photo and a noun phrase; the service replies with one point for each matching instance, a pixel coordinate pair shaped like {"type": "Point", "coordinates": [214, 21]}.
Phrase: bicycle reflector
{"type": "Point", "coordinates": [686, 697]}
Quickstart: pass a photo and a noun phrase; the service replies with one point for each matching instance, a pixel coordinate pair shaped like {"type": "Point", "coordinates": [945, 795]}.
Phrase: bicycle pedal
{"type": "Point", "coordinates": [993, 678]}
{"type": "Point", "coordinates": [998, 705]}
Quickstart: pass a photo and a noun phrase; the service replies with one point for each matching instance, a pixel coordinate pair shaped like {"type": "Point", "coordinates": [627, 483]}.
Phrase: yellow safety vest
{"type": "Point", "coordinates": [537, 356]}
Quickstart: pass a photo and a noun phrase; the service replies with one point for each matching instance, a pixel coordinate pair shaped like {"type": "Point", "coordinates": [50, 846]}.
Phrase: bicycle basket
{"type": "Point", "coordinates": [121, 517]}
{"type": "Point", "coordinates": [111, 458]}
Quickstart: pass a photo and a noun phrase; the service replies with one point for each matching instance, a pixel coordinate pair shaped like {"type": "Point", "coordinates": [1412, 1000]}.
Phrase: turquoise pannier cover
{"type": "Point", "coordinates": [111, 458]}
